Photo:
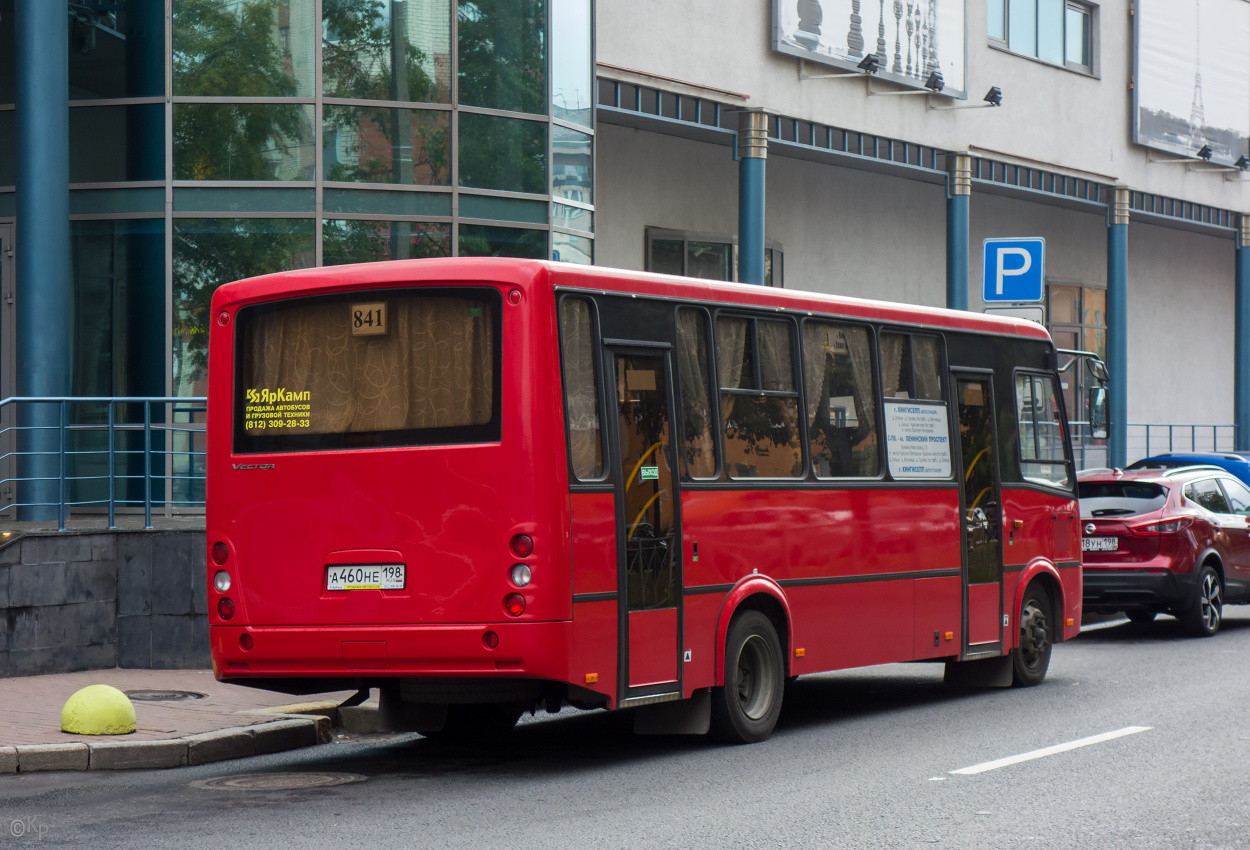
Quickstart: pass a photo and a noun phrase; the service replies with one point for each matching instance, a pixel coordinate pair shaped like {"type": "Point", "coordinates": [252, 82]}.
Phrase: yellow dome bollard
{"type": "Point", "coordinates": [98, 710]}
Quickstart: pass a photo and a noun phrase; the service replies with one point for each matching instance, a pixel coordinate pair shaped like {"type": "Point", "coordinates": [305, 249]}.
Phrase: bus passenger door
{"type": "Point", "coordinates": [648, 527]}
{"type": "Point", "coordinates": [982, 516]}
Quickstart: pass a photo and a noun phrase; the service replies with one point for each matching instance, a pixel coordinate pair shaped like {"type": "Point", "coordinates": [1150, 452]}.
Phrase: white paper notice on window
{"type": "Point", "coordinates": [917, 438]}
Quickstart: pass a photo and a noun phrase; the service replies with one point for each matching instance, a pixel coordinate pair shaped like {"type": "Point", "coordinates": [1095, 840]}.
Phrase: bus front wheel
{"type": "Point", "coordinates": [1031, 658]}
{"type": "Point", "coordinates": [745, 710]}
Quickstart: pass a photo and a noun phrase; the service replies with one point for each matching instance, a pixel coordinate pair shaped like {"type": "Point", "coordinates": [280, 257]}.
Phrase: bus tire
{"type": "Point", "coordinates": [1031, 658]}
{"type": "Point", "coordinates": [745, 710]}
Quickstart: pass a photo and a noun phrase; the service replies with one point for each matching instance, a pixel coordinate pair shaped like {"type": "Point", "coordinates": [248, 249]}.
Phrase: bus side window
{"type": "Point", "coordinates": [911, 366]}
{"type": "Point", "coordinates": [581, 389]}
{"type": "Point", "coordinates": [841, 407]}
{"type": "Point", "coordinates": [759, 400]}
{"type": "Point", "coordinates": [1040, 430]}
{"type": "Point", "coordinates": [694, 367]}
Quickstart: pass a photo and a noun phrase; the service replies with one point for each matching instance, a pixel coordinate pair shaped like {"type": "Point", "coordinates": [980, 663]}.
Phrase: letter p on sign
{"type": "Point", "coordinates": [1013, 270]}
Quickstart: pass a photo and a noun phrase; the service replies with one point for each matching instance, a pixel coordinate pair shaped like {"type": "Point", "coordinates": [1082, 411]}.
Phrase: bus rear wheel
{"type": "Point", "coordinates": [745, 710]}
{"type": "Point", "coordinates": [1031, 658]}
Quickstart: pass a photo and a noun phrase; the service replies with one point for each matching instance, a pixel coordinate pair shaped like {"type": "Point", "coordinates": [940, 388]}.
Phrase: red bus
{"type": "Point", "coordinates": [486, 486]}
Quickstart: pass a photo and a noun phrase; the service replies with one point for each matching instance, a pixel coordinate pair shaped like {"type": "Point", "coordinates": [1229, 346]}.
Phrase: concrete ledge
{"type": "Point", "coordinates": [291, 733]}
{"type": "Point", "coordinates": [38, 757]}
{"type": "Point", "coordinates": [261, 739]}
{"type": "Point", "coordinates": [359, 719]}
{"type": "Point", "coordinates": [131, 755]}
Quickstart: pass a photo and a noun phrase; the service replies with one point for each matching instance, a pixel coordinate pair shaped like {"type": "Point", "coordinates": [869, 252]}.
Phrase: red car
{"type": "Point", "coordinates": [1175, 540]}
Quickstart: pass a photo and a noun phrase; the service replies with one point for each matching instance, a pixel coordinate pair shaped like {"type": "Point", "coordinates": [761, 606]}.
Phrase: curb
{"type": "Point", "coordinates": [289, 733]}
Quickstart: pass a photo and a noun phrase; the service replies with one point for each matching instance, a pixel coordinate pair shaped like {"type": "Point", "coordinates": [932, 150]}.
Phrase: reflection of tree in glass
{"type": "Point", "coordinates": [208, 253]}
{"type": "Point", "coordinates": [503, 153]}
{"type": "Point", "coordinates": [218, 51]}
{"type": "Point", "coordinates": [502, 62]}
{"type": "Point", "coordinates": [362, 44]}
{"type": "Point", "coordinates": [421, 158]}
{"type": "Point", "coordinates": [482, 241]}
{"type": "Point", "coordinates": [368, 241]}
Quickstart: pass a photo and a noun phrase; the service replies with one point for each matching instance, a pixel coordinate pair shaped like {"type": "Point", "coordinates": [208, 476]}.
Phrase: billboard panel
{"type": "Point", "coordinates": [1193, 77]}
{"type": "Point", "coordinates": [911, 38]}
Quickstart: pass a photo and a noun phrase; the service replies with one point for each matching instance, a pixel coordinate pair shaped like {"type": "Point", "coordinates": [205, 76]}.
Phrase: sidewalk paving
{"type": "Point", "coordinates": [229, 721]}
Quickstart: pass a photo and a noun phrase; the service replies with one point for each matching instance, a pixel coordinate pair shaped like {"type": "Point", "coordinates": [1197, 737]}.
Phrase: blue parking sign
{"type": "Point", "coordinates": [1013, 270]}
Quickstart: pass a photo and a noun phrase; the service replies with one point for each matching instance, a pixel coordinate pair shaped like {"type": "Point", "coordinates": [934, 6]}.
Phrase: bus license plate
{"type": "Point", "coordinates": [1100, 544]}
{"type": "Point", "coordinates": [365, 577]}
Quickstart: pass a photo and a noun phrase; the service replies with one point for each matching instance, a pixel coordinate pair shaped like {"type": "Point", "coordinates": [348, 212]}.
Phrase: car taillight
{"type": "Point", "coordinates": [221, 553]}
{"type": "Point", "coordinates": [1163, 526]}
{"type": "Point", "coordinates": [225, 608]}
{"type": "Point", "coordinates": [514, 604]}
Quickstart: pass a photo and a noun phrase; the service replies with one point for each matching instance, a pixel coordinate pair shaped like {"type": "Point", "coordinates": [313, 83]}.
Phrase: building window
{"type": "Point", "coordinates": [709, 256]}
{"type": "Point", "coordinates": [1077, 320]}
{"type": "Point", "coordinates": [1056, 31]}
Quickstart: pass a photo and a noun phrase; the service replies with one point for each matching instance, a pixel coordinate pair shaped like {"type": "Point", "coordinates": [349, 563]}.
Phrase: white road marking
{"type": "Point", "coordinates": [1050, 751]}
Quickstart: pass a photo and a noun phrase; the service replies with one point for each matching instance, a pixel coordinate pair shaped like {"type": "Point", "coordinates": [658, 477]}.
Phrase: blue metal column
{"type": "Point", "coordinates": [752, 155]}
{"type": "Point", "coordinates": [957, 200]}
{"type": "Point", "coordinates": [1117, 328]}
{"type": "Point", "coordinates": [43, 243]}
{"type": "Point", "coordinates": [1241, 342]}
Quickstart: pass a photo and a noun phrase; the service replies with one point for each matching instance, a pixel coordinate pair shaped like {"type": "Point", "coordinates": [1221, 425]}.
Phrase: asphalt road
{"type": "Point", "coordinates": [860, 759]}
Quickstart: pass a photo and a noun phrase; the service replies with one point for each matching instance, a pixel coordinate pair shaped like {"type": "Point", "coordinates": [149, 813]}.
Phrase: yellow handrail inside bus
{"type": "Point", "coordinates": [629, 480]}
{"type": "Point", "coordinates": [973, 465]}
{"type": "Point", "coordinates": [634, 525]}
{"type": "Point", "coordinates": [978, 498]}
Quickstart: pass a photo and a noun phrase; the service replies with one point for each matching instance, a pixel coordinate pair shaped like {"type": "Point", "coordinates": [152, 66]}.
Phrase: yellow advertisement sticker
{"type": "Point", "coordinates": [277, 410]}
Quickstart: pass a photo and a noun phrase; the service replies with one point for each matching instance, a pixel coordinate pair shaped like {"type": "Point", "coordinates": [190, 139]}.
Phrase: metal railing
{"type": "Point", "coordinates": [1088, 451]}
{"type": "Point", "coordinates": [92, 454]}
{"type": "Point", "coordinates": [1147, 440]}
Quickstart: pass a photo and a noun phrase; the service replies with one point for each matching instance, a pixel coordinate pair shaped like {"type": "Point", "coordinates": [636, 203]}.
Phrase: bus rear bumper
{"type": "Point", "coordinates": [356, 653]}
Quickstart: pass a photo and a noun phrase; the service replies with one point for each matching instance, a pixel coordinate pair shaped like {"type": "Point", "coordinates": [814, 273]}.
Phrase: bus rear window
{"type": "Point", "coordinates": [390, 367]}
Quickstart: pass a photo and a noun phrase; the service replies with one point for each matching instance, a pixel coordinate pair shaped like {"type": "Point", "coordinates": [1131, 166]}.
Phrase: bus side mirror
{"type": "Point", "coordinates": [1097, 405]}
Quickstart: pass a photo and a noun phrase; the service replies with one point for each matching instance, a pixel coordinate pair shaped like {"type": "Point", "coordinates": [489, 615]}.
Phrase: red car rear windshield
{"type": "Point", "coordinates": [388, 367]}
{"type": "Point", "coordinates": [1120, 498]}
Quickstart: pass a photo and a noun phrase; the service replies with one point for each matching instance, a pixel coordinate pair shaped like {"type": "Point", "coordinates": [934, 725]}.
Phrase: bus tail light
{"type": "Point", "coordinates": [522, 545]}
{"type": "Point", "coordinates": [513, 603]}
{"type": "Point", "coordinates": [520, 575]}
{"type": "Point", "coordinates": [1165, 526]}
{"type": "Point", "coordinates": [245, 641]}
{"type": "Point", "coordinates": [490, 640]}
{"type": "Point", "coordinates": [225, 608]}
{"type": "Point", "coordinates": [221, 553]}
{"type": "Point", "coordinates": [221, 581]}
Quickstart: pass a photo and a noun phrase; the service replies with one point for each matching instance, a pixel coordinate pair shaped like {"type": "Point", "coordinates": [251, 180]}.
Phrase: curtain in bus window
{"type": "Point", "coordinates": [776, 356]}
{"type": "Point", "coordinates": [841, 414]}
{"type": "Point", "coordinates": [696, 406]}
{"type": "Point", "coordinates": [580, 389]}
{"type": "Point", "coordinates": [926, 358]}
{"type": "Point", "coordinates": [894, 383]}
{"type": "Point", "coordinates": [733, 353]}
{"type": "Point", "coordinates": [431, 368]}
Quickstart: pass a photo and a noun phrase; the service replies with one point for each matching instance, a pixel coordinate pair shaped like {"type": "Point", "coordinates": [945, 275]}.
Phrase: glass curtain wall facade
{"type": "Point", "coordinates": [212, 140]}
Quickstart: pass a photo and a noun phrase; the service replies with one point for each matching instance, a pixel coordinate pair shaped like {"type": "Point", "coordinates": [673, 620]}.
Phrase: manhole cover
{"type": "Point", "coordinates": [144, 695]}
{"type": "Point", "coordinates": [278, 781]}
